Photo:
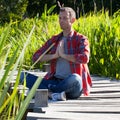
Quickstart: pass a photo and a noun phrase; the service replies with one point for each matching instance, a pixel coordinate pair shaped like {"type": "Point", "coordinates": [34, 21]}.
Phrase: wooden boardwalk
{"type": "Point", "coordinates": [103, 103]}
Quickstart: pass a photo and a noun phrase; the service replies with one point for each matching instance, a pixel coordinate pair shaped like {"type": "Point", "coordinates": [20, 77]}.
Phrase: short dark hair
{"type": "Point", "coordinates": [69, 10]}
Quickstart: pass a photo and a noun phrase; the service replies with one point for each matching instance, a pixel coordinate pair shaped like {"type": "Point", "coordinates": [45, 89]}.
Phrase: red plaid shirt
{"type": "Point", "coordinates": [78, 45]}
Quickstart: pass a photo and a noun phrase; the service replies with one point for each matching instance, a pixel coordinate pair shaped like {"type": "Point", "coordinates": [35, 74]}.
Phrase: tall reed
{"type": "Point", "coordinates": [13, 105]}
{"type": "Point", "coordinates": [103, 33]}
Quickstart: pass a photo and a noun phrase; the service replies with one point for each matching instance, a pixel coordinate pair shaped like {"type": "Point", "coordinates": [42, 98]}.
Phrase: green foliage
{"type": "Point", "coordinates": [37, 7]}
{"type": "Point", "coordinates": [104, 36]}
{"type": "Point", "coordinates": [12, 10]}
{"type": "Point", "coordinates": [12, 104]}
{"type": "Point", "coordinates": [101, 30]}
{"type": "Point", "coordinates": [19, 40]}
{"type": "Point", "coordinates": [80, 6]}
{"type": "Point", "coordinates": [44, 29]}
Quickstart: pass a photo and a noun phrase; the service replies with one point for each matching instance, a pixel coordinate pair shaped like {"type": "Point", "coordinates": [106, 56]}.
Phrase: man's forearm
{"type": "Point", "coordinates": [69, 57]}
{"type": "Point", "coordinates": [48, 57]}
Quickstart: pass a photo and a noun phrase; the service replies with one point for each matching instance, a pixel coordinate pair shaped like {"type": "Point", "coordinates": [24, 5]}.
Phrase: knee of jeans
{"type": "Point", "coordinates": [75, 93]}
{"type": "Point", "coordinates": [77, 76]}
{"type": "Point", "coordinates": [78, 80]}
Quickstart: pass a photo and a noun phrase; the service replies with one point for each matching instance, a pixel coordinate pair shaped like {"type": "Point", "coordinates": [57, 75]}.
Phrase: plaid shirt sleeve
{"type": "Point", "coordinates": [40, 51]}
{"type": "Point", "coordinates": [83, 50]}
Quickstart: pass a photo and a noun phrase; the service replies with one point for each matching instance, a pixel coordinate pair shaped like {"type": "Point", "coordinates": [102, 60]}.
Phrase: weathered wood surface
{"type": "Point", "coordinates": [103, 103]}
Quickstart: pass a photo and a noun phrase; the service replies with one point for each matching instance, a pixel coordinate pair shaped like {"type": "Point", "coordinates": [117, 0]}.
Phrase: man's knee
{"type": "Point", "coordinates": [76, 76]}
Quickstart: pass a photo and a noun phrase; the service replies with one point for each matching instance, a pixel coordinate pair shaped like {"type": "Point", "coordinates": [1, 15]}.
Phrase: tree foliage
{"type": "Point", "coordinates": [37, 6]}
{"type": "Point", "coordinates": [12, 9]}
{"type": "Point", "coordinates": [18, 9]}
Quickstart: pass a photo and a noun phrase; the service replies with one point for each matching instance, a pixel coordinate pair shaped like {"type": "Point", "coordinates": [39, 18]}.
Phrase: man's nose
{"type": "Point", "coordinates": [61, 20]}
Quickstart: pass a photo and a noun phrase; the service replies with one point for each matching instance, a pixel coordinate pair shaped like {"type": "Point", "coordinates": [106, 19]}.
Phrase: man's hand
{"type": "Point", "coordinates": [48, 57]}
{"type": "Point", "coordinates": [57, 52]}
{"type": "Point", "coordinates": [61, 49]}
{"type": "Point", "coordinates": [62, 53]}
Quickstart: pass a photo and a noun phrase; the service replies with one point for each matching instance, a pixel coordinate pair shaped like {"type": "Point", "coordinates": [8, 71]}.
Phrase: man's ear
{"type": "Point", "coordinates": [73, 20]}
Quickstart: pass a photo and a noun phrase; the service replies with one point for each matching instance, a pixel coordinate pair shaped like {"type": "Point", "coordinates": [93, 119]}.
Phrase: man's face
{"type": "Point", "coordinates": [64, 20]}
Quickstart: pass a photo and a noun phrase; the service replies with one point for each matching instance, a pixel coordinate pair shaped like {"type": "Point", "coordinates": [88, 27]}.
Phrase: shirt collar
{"type": "Point", "coordinates": [69, 35]}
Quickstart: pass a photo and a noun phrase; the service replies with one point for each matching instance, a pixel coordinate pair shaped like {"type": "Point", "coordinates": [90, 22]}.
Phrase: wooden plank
{"type": "Point", "coordinates": [103, 103]}
{"type": "Point", "coordinates": [72, 116]}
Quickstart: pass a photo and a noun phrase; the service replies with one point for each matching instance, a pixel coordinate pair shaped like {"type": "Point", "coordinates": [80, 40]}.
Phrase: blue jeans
{"type": "Point", "coordinates": [72, 85]}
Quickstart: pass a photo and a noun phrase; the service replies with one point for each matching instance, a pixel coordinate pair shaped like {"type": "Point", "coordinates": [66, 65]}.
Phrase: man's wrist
{"type": "Point", "coordinates": [55, 56]}
{"type": "Point", "coordinates": [64, 56]}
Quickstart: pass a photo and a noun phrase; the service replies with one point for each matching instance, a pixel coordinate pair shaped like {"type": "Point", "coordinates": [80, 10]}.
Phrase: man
{"type": "Point", "coordinates": [69, 74]}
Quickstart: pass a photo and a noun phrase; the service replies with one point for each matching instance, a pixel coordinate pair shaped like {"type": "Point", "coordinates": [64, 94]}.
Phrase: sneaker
{"type": "Point", "coordinates": [59, 96]}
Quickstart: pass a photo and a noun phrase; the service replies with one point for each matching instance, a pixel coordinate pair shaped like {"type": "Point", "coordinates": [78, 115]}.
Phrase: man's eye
{"type": "Point", "coordinates": [63, 18]}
